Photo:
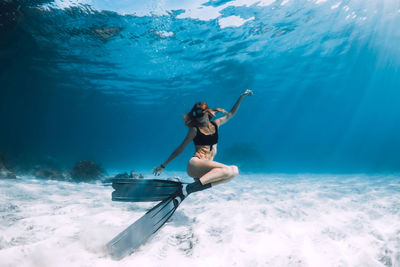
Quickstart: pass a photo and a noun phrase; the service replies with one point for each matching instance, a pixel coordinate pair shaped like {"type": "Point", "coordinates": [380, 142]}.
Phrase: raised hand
{"type": "Point", "coordinates": [248, 92]}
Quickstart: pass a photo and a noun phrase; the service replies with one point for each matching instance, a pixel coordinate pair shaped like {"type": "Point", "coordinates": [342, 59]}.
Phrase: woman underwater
{"type": "Point", "coordinates": [204, 134]}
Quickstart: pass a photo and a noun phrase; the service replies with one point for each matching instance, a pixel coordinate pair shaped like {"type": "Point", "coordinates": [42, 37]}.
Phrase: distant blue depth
{"type": "Point", "coordinates": [86, 84]}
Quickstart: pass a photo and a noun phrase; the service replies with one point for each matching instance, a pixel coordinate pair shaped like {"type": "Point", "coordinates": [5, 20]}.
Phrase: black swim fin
{"type": "Point", "coordinates": [141, 190]}
{"type": "Point", "coordinates": [138, 233]}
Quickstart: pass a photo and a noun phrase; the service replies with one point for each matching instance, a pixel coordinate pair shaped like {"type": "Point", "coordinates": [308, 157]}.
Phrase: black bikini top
{"type": "Point", "coordinates": [204, 139]}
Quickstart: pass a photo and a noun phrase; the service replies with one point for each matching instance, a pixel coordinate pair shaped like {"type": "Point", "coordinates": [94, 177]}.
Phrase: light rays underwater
{"type": "Point", "coordinates": [107, 81]}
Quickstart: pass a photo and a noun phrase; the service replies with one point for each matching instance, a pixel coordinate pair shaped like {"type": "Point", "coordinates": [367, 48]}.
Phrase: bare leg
{"type": "Point", "coordinates": [210, 171]}
{"type": "Point", "coordinates": [221, 181]}
{"type": "Point", "coordinates": [218, 175]}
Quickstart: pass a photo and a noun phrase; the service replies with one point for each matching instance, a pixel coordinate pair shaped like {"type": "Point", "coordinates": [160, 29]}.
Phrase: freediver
{"type": "Point", "coordinates": [204, 132]}
{"type": "Point", "coordinates": [202, 167]}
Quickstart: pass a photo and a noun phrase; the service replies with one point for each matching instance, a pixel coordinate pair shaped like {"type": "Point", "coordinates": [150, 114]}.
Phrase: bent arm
{"type": "Point", "coordinates": [236, 106]}
{"type": "Point", "coordinates": [234, 109]}
{"type": "Point", "coordinates": [189, 137]}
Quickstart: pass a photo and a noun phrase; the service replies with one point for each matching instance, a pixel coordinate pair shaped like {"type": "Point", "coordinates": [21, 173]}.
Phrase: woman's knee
{"type": "Point", "coordinates": [235, 170]}
{"type": "Point", "coordinates": [231, 171]}
{"type": "Point", "coordinates": [193, 161]}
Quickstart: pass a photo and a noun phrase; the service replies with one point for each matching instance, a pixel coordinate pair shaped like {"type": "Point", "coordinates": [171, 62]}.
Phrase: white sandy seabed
{"type": "Point", "coordinates": [254, 220]}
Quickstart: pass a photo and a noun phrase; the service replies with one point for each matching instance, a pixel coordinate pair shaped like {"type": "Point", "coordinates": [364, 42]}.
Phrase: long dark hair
{"type": "Point", "coordinates": [191, 121]}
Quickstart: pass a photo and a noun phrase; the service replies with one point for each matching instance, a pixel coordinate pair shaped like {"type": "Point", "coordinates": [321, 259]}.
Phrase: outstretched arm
{"type": "Point", "coordinates": [234, 109]}
{"type": "Point", "coordinates": [189, 137]}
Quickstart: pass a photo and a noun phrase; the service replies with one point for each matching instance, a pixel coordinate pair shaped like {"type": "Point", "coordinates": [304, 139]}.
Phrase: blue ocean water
{"type": "Point", "coordinates": [108, 81]}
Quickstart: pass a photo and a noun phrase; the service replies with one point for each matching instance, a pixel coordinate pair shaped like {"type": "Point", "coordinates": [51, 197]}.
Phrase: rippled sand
{"type": "Point", "coordinates": [255, 220]}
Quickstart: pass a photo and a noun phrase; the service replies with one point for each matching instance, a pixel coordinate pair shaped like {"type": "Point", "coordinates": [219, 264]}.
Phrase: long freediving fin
{"type": "Point", "coordinates": [141, 190]}
{"type": "Point", "coordinates": [138, 232]}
